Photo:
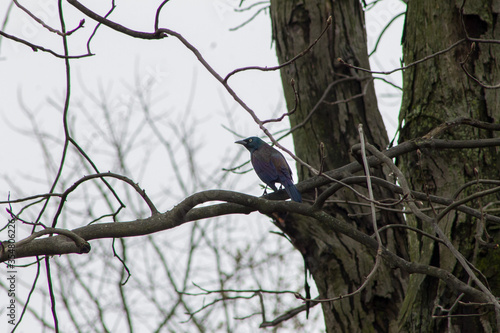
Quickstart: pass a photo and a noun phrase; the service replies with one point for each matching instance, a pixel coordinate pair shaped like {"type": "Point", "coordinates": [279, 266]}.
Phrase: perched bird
{"type": "Point", "coordinates": [270, 165]}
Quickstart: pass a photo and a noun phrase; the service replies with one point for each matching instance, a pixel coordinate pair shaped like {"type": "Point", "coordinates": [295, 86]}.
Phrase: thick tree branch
{"type": "Point", "coordinates": [180, 215]}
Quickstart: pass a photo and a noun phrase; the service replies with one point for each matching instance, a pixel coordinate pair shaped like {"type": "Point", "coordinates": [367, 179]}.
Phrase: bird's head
{"type": "Point", "coordinates": [252, 143]}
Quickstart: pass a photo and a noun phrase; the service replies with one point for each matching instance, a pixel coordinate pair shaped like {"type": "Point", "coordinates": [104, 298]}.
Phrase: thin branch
{"type": "Point", "coordinates": [369, 186]}
{"type": "Point", "coordinates": [157, 15]}
{"type": "Point", "coordinates": [127, 180]}
{"type": "Point", "coordinates": [113, 6]}
{"type": "Point", "coordinates": [472, 49]}
{"type": "Point", "coordinates": [291, 61]}
{"type": "Point", "coordinates": [46, 26]}
{"type": "Point", "coordinates": [469, 74]}
{"type": "Point", "coordinates": [417, 230]}
{"type": "Point", "coordinates": [287, 315]}
{"type": "Point", "coordinates": [319, 102]}
{"type": "Point", "coordinates": [36, 47]}
{"type": "Point", "coordinates": [461, 121]}
{"type": "Point", "coordinates": [32, 197]}
{"type": "Point", "coordinates": [471, 197]}
{"type": "Point", "coordinates": [52, 297]}
{"type": "Point", "coordinates": [474, 182]}
{"type": "Point", "coordinates": [32, 290]}
{"type": "Point", "coordinates": [286, 114]}
{"type": "Point", "coordinates": [5, 21]}
{"type": "Point", "coordinates": [449, 48]}
{"type": "Point", "coordinates": [206, 291]}
{"type": "Point", "coordinates": [255, 4]}
{"type": "Point", "coordinates": [383, 31]}
{"type": "Point", "coordinates": [250, 19]}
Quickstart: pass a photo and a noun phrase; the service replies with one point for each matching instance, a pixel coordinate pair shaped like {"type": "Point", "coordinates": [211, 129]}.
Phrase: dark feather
{"type": "Point", "coordinates": [271, 166]}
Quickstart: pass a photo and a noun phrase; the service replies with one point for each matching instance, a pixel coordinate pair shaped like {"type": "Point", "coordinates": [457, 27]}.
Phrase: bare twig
{"type": "Point", "coordinates": [449, 48]}
{"type": "Point", "coordinates": [127, 180]}
{"type": "Point", "coordinates": [469, 74]}
{"type": "Point", "coordinates": [250, 19]}
{"type": "Point", "coordinates": [461, 121]}
{"type": "Point", "coordinates": [157, 16]}
{"type": "Point", "coordinates": [287, 315]}
{"type": "Point", "coordinates": [384, 30]}
{"type": "Point", "coordinates": [113, 6]}
{"type": "Point", "coordinates": [46, 26]}
{"type": "Point", "coordinates": [291, 61]}
{"type": "Point", "coordinates": [286, 114]}
{"type": "Point", "coordinates": [79, 241]}
{"type": "Point", "coordinates": [36, 47]}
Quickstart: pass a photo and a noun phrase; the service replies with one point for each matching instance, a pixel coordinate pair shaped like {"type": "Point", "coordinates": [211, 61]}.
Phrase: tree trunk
{"type": "Point", "coordinates": [437, 91]}
{"type": "Point", "coordinates": [333, 101]}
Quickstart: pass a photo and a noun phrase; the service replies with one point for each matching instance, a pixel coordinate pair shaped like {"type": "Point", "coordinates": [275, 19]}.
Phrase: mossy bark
{"type": "Point", "coordinates": [341, 266]}
{"type": "Point", "coordinates": [434, 92]}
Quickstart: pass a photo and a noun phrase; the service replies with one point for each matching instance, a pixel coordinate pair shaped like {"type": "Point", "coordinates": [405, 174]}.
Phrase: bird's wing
{"type": "Point", "coordinates": [283, 170]}
{"type": "Point", "coordinates": [285, 176]}
{"type": "Point", "coordinates": [264, 168]}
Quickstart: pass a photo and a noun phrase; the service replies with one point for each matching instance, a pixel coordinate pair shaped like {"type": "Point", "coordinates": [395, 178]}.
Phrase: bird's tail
{"type": "Point", "coordinates": [293, 192]}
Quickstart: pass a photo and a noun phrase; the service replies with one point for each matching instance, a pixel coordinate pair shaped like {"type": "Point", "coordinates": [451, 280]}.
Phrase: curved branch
{"type": "Point", "coordinates": [36, 48]}
{"type": "Point", "coordinates": [301, 54]}
{"type": "Point", "coordinates": [46, 26]}
{"type": "Point", "coordinates": [383, 32]}
{"type": "Point", "coordinates": [449, 48]}
{"type": "Point", "coordinates": [82, 244]}
{"type": "Point", "coordinates": [180, 214]}
{"type": "Point", "coordinates": [157, 15]}
{"type": "Point", "coordinates": [127, 180]}
{"type": "Point", "coordinates": [244, 204]}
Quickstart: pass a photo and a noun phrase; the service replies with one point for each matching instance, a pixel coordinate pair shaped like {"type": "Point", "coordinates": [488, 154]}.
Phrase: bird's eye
{"type": "Point", "coordinates": [250, 140]}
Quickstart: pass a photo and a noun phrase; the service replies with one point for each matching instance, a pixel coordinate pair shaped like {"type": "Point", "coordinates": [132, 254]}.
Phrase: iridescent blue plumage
{"type": "Point", "coordinates": [270, 165]}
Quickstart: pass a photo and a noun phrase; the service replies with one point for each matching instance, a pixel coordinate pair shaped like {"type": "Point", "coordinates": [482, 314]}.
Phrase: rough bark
{"type": "Point", "coordinates": [437, 91]}
{"type": "Point", "coordinates": [321, 80]}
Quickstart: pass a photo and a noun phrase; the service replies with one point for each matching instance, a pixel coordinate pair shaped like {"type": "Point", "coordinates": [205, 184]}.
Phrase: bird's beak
{"type": "Point", "coordinates": [241, 142]}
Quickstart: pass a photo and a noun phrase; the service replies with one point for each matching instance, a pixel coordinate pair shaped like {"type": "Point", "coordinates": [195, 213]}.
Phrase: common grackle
{"type": "Point", "coordinates": [270, 165]}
